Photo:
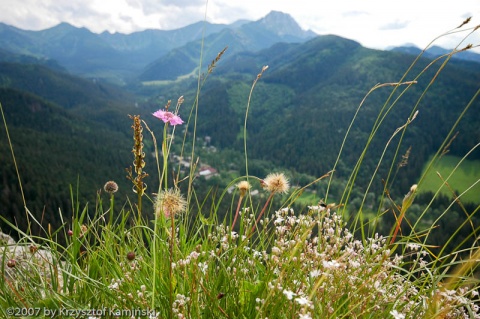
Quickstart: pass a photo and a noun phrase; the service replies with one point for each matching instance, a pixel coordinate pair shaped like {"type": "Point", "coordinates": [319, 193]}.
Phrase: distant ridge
{"type": "Point", "coordinates": [436, 51]}
{"type": "Point", "coordinates": [274, 28]}
{"type": "Point", "coordinates": [120, 57]}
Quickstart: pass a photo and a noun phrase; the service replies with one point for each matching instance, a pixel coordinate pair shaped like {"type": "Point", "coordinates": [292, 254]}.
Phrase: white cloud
{"type": "Point", "coordinates": [395, 25]}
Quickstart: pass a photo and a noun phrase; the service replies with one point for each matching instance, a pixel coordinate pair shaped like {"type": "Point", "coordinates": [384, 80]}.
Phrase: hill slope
{"type": "Point", "coordinates": [72, 132]}
{"type": "Point", "coordinates": [306, 99]}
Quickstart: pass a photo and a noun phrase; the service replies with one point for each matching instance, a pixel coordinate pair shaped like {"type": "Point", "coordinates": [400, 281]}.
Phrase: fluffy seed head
{"type": "Point", "coordinates": [110, 187]}
{"type": "Point", "coordinates": [170, 202]}
{"type": "Point", "coordinates": [243, 187]}
{"type": "Point", "coordinates": [276, 183]}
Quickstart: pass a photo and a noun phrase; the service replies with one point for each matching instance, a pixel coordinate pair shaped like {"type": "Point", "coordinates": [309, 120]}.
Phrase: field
{"type": "Point", "coordinates": [465, 175]}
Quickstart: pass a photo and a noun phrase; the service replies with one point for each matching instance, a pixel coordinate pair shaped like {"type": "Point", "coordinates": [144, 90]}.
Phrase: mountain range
{"type": "Point", "coordinates": [67, 93]}
{"type": "Point", "coordinates": [121, 57]}
{"type": "Point", "coordinates": [149, 55]}
{"type": "Point", "coordinates": [436, 51]}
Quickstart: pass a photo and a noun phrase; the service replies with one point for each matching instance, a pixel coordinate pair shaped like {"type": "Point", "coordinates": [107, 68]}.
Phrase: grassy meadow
{"type": "Point", "coordinates": [462, 178]}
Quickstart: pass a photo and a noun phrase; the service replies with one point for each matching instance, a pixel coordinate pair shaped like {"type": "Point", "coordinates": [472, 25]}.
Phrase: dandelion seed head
{"type": "Point", "coordinates": [170, 202]}
{"type": "Point", "coordinates": [276, 183]}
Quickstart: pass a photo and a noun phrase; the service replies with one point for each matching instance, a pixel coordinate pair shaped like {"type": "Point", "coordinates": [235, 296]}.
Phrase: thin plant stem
{"type": "Point", "coordinates": [237, 211]}
{"type": "Point", "coordinates": [112, 201]}
{"type": "Point", "coordinates": [165, 160]}
{"type": "Point", "coordinates": [10, 145]}
{"type": "Point", "coordinates": [246, 118]}
{"type": "Point", "coordinates": [195, 108]}
{"type": "Point", "coordinates": [262, 212]}
{"type": "Point", "coordinates": [172, 258]}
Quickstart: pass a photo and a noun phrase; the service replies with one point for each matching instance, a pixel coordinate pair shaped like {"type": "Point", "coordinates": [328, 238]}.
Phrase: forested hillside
{"type": "Point", "coordinates": [72, 135]}
{"type": "Point", "coordinates": [306, 99]}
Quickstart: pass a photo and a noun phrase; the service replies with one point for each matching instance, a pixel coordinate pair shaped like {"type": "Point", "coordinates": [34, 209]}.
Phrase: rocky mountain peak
{"type": "Point", "coordinates": [283, 24]}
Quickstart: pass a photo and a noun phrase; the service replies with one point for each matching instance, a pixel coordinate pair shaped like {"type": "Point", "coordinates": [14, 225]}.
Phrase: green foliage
{"type": "Point", "coordinates": [59, 87]}
{"type": "Point", "coordinates": [53, 150]}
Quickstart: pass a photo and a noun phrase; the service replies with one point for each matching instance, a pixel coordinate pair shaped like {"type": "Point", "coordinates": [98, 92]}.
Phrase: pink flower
{"type": "Point", "coordinates": [168, 117]}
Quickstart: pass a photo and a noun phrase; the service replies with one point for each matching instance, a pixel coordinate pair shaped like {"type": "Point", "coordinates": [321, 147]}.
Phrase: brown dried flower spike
{"type": "Point", "coordinates": [139, 155]}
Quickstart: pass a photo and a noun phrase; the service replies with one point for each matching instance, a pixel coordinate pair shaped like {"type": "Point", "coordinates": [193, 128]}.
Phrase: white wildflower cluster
{"type": "Point", "coordinates": [243, 261]}
{"type": "Point", "coordinates": [247, 217]}
{"type": "Point", "coordinates": [141, 292]}
{"type": "Point", "coordinates": [179, 306]}
{"type": "Point", "coordinates": [203, 266]}
{"type": "Point", "coordinates": [315, 255]}
{"type": "Point", "coordinates": [182, 263]}
{"type": "Point", "coordinates": [130, 268]}
{"type": "Point", "coordinates": [313, 264]}
{"type": "Point", "coordinates": [455, 304]}
{"type": "Point", "coordinates": [115, 284]}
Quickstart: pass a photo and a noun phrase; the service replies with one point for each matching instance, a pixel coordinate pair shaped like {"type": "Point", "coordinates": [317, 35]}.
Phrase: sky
{"type": "Point", "coordinates": [375, 24]}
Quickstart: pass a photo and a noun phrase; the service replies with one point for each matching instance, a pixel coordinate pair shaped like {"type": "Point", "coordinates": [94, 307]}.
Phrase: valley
{"type": "Point", "coordinates": [71, 91]}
